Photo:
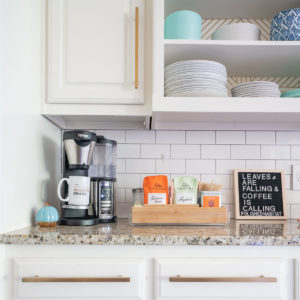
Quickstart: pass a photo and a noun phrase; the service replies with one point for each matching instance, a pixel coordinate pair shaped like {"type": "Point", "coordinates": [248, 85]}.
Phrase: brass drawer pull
{"type": "Point", "coordinates": [76, 279]}
{"type": "Point", "coordinates": [222, 279]}
{"type": "Point", "coordinates": [136, 57]}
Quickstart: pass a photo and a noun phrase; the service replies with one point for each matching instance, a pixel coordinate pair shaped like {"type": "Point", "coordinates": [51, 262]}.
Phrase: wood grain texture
{"type": "Point", "coordinates": [178, 214]}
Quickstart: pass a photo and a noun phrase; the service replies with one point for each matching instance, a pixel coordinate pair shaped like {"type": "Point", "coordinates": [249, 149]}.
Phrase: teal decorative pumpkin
{"type": "Point", "coordinates": [47, 216]}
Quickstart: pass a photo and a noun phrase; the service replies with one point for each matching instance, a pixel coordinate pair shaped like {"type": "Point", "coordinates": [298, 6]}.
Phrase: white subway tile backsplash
{"type": "Point", "coordinates": [200, 137]}
{"type": "Point", "coordinates": [260, 137]}
{"type": "Point", "coordinates": [295, 152]}
{"type": "Point", "coordinates": [230, 137]}
{"type": "Point", "coordinates": [292, 197]}
{"type": "Point", "coordinates": [184, 151]}
{"type": "Point", "coordinates": [140, 136]}
{"type": "Point", "coordinates": [128, 151]}
{"type": "Point", "coordinates": [245, 152]}
{"type": "Point", "coordinates": [140, 165]}
{"type": "Point", "coordinates": [128, 180]}
{"type": "Point", "coordinates": [288, 137]}
{"type": "Point", "coordinates": [116, 135]}
{"type": "Point", "coordinates": [124, 210]}
{"type": "Point", "coordinates": [225, 180]}
{"type": "Point", "coordinates": [206, 154]}
{"type": "Point", "coordinates": [120, 195]}
{"type": "Point", "coordinates": [170, 166]}
{"type": "Point", "coordinates": [170, 137]}
{"type": "Point", "coordinates": [200, 166]}
{"type": "Point", "coordinates": [227, 166]}
{"type": "Point", "coordinates": [129, 196]}
{"type": "Point", "coordinates": [260, 164]}
{"type": "Point", "coordinates": [197, 176]}
{"type": "Point", "coordinates": [275, 152]}
{"type": "Point", "coordinates": [286, 165]}
{"type": "Point", "coordinates": [155, 151]}
{"type": "Point", "coordinates": [121, 166]}
{"type": "Point", "coordinates": [215, 152]}
{"type": "Point", "coordinates": [287, 182]}
{"type": "Point", "coordinates": [295, 211]}
{"type": "Point", "coordinates": [227, 196]}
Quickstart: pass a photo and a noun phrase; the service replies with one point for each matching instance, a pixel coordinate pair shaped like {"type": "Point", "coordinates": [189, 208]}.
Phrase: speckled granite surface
{"type": "Point", "coordinates": [275, 233]}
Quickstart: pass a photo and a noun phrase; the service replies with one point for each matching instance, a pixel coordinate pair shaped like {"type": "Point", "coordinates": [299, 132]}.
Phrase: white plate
{"type": "Point", "coordinates": [257, 83]}
{"type": "Point", "coordinates": [195, 82]}
{"type": "Point", "coordinates": [237, 31]}
{"type": "Point", "coordinates": [196, 70]}
{"type": "Point", "coordinates": [192, 76]}
{"type": "Point", "coordinates": [198, 63]}
{"type": "Point", "coordinates": [199, 93]}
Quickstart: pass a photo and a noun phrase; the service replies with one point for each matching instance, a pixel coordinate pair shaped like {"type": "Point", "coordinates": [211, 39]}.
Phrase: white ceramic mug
{"type": "Point", "coordinates": [79, 190]}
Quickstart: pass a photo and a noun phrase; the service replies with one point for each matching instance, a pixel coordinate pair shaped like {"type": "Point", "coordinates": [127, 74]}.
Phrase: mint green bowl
{"type": "Point", "coordinates": [183, 24]}
{"type": "Point", "coordinates": [291, 94]}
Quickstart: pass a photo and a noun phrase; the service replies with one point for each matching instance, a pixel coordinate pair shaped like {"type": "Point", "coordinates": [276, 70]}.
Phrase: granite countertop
{"type": "Point", "coordinates": [268, 233]}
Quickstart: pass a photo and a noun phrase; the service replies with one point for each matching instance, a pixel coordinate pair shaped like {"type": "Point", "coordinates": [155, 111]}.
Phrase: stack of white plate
{"type": "Point", "coordinates": [196, 78]}
{"type": "Point", "coordinates": [237, 31]}
{"type": "Point", "coordinates": [256, 89]}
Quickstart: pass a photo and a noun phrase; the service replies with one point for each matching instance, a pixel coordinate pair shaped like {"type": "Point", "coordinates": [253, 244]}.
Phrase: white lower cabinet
{"type": "Point", "coordinates": [220, 278]}
{"type": "Point", "coordinates": [297, 279]}
{"type": "Point", "coordinates": [62, 279]}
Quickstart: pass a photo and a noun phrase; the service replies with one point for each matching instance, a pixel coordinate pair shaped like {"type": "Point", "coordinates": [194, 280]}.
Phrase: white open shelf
{"type": "Point", "coordinates": [241, 58]}
{"type": "Point", "coordinates": [227, 113]}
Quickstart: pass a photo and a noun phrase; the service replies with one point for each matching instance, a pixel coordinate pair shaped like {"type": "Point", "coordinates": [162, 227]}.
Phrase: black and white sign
{"type": "Point", "coordinates": [259, 194]}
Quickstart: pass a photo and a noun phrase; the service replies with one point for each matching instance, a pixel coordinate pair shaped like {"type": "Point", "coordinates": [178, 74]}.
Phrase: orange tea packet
{"type": "Point", "coordinates": [156, 189]}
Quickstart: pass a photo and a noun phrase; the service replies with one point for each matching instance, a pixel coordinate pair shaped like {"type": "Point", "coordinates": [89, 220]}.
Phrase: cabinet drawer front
{"type": "Point", "coordinates": [79, 278]}
{"type": "Point", "coordinates": [218, 278]}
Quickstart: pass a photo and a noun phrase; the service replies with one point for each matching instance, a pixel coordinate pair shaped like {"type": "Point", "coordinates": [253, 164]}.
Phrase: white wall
{"type": "Point", "coordinates": [30, 144]}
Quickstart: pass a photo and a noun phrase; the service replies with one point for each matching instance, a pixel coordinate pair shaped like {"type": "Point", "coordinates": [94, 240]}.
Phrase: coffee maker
{"type": "Point", "coordinates": [103, 179]}
{"type": "Point", "coordinates": [78, 146]}
{"type": "Point", "coordinates": [86, 154]}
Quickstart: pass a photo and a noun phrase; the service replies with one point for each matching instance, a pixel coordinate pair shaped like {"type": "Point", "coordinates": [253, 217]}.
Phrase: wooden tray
{"type": "Point", "coordinates": [178, 214]}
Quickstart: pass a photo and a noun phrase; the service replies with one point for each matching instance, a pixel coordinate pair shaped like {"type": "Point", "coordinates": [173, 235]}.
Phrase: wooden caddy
{"type": "Point", "coordinates": [178, 214]}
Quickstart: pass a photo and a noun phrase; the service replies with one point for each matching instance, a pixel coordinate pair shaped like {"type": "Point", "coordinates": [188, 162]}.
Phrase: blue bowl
{"type": "Point", "coordinates": [183, 24]}
{"type": "Point", "coordinates": [286, 26]}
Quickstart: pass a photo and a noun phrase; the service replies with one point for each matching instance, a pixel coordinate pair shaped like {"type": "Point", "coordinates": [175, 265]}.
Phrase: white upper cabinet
{"type": "Point", "coordinates": [95, 51]}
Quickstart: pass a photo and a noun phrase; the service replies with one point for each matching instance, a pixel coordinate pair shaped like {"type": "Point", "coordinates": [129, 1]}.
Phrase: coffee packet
{"type": "Point", "coordinates": [185, 190]}
{"type": "Point", "coordinates": [156, 189]}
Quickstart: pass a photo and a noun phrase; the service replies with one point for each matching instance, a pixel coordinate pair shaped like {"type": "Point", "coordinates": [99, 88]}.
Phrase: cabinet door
{"type": "Point", "coordinates": [95, 51]}
{"type": "Point", "coordinates": [79, 279]}
{"type": "Point", "coordinates": [220, 278]}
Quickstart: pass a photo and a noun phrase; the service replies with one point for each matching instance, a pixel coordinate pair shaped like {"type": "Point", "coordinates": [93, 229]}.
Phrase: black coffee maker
{"type": "Point", "coordinates": [78, 151]}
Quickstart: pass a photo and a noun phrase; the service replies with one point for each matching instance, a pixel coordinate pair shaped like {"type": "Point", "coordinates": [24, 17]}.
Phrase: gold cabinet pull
{"type": "Point", "coordinates": [76, 279]}
{"type": "Point", "coordinates": [136, 60]}
{"type": "Point", "coordinates": [222, 279]}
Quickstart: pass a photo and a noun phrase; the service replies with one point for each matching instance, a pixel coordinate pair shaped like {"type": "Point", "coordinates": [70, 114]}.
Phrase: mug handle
{"type": "Point", "coordinates": [59, 187]}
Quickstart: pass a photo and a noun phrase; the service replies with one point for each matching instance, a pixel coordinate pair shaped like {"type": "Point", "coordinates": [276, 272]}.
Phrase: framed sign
{"type": "Point", "coordinates": [259, 194]}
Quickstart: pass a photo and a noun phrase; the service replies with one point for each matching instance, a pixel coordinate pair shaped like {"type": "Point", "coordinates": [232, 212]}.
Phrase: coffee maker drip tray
{"type": "Point", "coordinates": [85, 221]}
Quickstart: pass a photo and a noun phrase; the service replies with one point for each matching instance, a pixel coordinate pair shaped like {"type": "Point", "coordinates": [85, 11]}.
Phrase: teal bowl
{"type": "Point", "coordinates": [291, 94]}
{"type": "Point", "coordinates": [183, 24]}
